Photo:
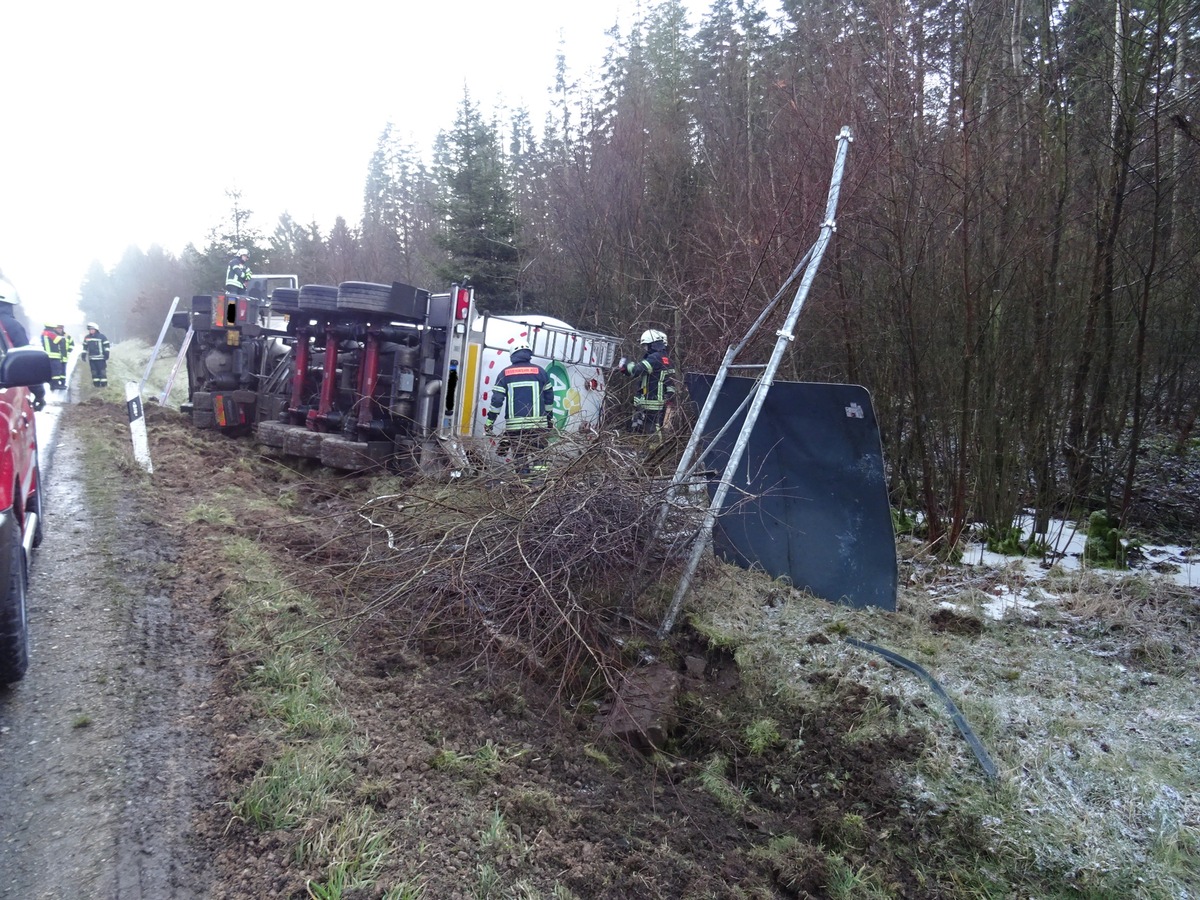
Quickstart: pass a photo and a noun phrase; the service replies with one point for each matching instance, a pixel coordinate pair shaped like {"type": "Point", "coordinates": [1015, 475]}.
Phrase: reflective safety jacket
{"type": "Point", "coordinates": [526, 394]}
{"type": "Point", "coordinates": [96, 346]}
{"type": "Point", "coordinates": [54, 344]}
{"type": "Point", "coordinates": [238, 275]}
{"type": "Point", "coordinates": [657, 387]}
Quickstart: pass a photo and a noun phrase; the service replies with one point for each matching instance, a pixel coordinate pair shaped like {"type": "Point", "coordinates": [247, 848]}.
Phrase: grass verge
{"type": "Point", "coordinates": [1097, 794]}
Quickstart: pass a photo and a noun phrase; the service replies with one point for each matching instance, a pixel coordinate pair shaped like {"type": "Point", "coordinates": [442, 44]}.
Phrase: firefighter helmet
{"type": "Point", "coordinates": [243, 252]}
{"type": "Point", "coordinates": [652, 335]}
{"type": "Point", "coordinates": [8, 294]}
{"type": "Point", "coordinates": [521, 345]}
{"type": "Point", "coordinates": [93, 326]}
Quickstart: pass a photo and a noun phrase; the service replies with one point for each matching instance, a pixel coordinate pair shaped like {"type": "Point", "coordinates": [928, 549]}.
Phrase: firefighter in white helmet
{"type": "Point", "coordinates": [238, 274]}
{"type": "Point", "coordinates": [96, 347]}
{"type": "Point", "coordinates": [526, 394]}
{"type": "Point", "coordinates": [656, 388]}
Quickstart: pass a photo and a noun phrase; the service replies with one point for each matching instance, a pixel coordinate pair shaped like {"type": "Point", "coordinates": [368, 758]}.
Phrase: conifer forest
{"type": "Point", "coordinates": [1015, 271]}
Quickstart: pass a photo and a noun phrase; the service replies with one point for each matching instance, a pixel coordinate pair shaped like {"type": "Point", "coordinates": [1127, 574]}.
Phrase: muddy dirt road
{"type": "Point", "coordinates": [102, 772]}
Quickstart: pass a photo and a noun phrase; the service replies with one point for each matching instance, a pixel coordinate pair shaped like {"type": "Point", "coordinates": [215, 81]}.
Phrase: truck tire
{"type": "Point", "coordinates": [273, 434]}
{"type": "Point", "coordinates": [14, 629]}
{"type": "Point", "coordinates": [362, 296]}
{"type": "Point", "coordinates": [302, 442]}
{"type": "Point", "coordinates": [338, 452]}
{"type": "Point", "coordinates": [203, 418]}
{"type": "Point", "coordinates": [320, 297]}
{"type": "Point", "coordinates": [285, 299]}
{"type": "Point", "coordinates": [202, 400]}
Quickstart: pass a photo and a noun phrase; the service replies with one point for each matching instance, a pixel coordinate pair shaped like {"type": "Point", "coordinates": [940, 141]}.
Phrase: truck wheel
{"type": "Point", "coordinates": [285, 299]}
{"type": "Point", "coordinates": [362, 296]}
{"type": "Point", "coordinates": [202, 400]}
{"type": "Point", "coordinates": [272, 434]}
{"type": "Point", "coordinates": [321, 297]}
{"type": "Point", "coordinates": [14, 629]}
{"type": "Point", "coordinates": [338, 452]}
{"type": "Point", "coordinates": [302, 442]}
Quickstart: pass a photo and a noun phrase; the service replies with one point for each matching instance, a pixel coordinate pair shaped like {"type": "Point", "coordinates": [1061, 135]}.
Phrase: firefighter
{"type": "Point", "coordinates": [526, 394]}
{"type": "Point", "coordinates": [656, 389]}
{"type": "Point", "coordinates": [16, 335]}
{"type": "Point", "coordinates": [96, 348]}
{"type": "Point", "coordinates": [67, 339]}
{"type": "Point", "coordinates": [69, 349]}
{"type": "Point", "coordinates": [238, 274]}
{"type": "Point", "coordinates": [56, 348]}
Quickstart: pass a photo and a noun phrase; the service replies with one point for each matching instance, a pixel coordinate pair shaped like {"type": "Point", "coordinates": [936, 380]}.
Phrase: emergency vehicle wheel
{"type": "Point", "coordinates": [14, 628]}
{"type": "Point", "coordinates": [202, 400]}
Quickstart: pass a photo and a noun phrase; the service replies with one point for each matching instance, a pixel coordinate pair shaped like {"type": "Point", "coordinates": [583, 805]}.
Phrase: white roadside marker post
{"type": "Point", "coordinates": [137, 425]}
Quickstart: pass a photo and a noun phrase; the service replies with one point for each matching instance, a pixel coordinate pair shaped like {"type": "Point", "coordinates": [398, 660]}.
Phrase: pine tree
{"type": "Point", "coordinates": [398, 219]}
{"type": "Point", "coordinates": [381, 214]}
{"type": "Point", "coordinates": [477, 210]}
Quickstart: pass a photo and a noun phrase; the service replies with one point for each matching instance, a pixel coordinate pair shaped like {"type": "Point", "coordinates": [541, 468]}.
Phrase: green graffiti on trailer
{"type": "Point", "coordinates": [567, 401]}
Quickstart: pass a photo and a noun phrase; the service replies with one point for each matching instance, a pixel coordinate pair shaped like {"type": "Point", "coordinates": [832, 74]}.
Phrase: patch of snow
{"type": "Point", "coordinates": [1065, 541]}
{"type": "Point", "coordinates": [1003, 600]}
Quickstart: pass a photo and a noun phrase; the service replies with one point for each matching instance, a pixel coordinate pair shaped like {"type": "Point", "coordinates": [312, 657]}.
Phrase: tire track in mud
{"type": "Point", "coordinates": [105, 764]}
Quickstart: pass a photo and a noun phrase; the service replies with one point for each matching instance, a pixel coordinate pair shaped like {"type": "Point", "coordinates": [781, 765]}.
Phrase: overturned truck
{"type": "Point", "coordinates": [363, 375]}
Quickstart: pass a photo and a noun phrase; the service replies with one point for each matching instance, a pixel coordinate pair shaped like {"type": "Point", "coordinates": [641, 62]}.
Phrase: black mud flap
{"type": "Point", "coordinates": [809, 499]}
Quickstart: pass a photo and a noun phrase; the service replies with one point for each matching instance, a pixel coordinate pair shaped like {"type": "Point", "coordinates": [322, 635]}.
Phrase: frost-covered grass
{"type": "Point", "coordinates": [1084, 697]}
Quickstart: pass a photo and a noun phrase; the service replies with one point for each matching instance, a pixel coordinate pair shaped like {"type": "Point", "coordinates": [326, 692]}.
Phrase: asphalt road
{"type": "Point", "coordinates": [102, 769]}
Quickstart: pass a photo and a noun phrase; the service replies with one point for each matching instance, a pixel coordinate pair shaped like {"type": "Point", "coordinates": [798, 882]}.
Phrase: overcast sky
{"type": "Point", "coordinates": [125, 123]}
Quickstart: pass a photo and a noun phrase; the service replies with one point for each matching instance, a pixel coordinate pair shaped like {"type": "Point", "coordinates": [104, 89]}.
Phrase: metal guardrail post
{"type": "Point", "coordinates": [157, 344]}
{"type": "Point", "coordinates": [784, 337]}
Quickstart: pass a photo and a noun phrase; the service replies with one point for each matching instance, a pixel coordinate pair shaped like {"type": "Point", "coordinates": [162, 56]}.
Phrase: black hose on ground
{"type": "Point", "coordinates": [964, 729]}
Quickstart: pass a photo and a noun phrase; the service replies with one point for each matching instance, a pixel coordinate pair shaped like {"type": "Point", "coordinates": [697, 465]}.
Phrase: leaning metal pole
{"type": "Point", "coordinates": [692, 455]}
{"type": "Point", "coordinates": [783, 338]}
{"type": "Point", "coordinates": [157, 345]}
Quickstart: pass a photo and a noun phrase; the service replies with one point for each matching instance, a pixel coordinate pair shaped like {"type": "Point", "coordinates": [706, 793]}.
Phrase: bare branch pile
{"type": "Point", "coordinates": [534, 571]}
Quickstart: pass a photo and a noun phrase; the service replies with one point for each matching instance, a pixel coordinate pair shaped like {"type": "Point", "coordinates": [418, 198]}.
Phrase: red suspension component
{"type": "Point", "coordinates": [368, 379]}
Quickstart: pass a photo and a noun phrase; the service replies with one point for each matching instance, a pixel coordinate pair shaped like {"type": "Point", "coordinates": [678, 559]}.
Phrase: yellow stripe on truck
{"type": "Point", "coordinates": [470, 390]}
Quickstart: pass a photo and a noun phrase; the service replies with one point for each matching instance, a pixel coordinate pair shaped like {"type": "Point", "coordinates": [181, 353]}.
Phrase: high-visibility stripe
{"type": "Point", "coordinates": [470, 392]}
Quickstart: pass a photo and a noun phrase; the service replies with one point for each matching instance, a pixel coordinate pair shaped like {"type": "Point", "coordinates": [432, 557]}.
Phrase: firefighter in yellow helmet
{"type": "Point", "coordinates": [656, 386]}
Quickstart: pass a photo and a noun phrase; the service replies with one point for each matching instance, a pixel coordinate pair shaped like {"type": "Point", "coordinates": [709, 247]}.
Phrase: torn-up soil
{"type": "Point", "coordinates": [488, 782]}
